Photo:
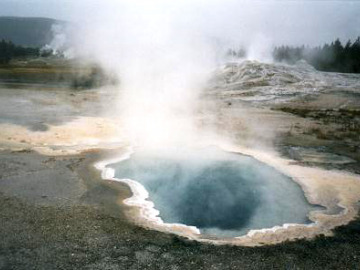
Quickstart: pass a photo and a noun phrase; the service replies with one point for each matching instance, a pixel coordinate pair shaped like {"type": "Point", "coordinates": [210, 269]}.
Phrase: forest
{"type": "Point", "coordinates": [9, 50]}
{"type": "Point", "coordinates": [334, 57]}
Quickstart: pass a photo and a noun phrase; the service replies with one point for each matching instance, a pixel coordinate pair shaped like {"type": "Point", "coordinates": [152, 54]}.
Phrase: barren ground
{"type": "Point", "coordinates": [56, 212]}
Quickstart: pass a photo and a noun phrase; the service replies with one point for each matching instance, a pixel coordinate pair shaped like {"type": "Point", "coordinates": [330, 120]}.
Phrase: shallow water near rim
{"type": "Point", "coordinates": [221, 193]}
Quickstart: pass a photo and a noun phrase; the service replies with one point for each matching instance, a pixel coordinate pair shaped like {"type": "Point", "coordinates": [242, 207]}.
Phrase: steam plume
{"type": "Point", "coordinates": [161, 61]}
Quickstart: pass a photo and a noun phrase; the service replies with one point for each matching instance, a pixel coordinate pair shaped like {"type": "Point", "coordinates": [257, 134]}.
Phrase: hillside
{"type": "Point", "coordinates": [33, 32]}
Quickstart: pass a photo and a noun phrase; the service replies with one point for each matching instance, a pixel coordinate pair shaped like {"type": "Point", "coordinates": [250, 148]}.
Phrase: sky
{"type": "Point", "coordinates": [279, 22]}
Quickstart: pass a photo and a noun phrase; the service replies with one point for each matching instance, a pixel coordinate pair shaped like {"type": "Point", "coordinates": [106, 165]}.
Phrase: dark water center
{"type": "Point", "coordinates": [223, 194]}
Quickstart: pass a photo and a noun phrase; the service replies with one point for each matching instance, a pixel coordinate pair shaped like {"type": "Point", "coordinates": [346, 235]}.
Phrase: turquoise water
{"type": "Point", "coordinates": [223, 194]}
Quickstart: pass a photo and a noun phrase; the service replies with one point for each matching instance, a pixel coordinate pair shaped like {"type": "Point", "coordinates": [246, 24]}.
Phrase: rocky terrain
{"type": "Point", "coordinates": [57, 212]}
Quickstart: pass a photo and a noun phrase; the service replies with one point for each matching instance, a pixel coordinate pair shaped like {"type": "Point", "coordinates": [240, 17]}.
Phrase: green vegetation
{"type": "Point", "coordinates": [9, 50]}
{"type": "Point", "coordinates": [334, 57]}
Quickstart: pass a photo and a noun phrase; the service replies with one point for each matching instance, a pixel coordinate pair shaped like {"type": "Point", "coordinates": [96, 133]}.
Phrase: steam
{"type": "Point", "coordinates": [162, 62]}
{"type": "Point", "coordinates": [260, 49]}
{"type": "Point", "coordinates": [221, 193]}
{"type": "Point", "coordinates": [163, 52]}
{"type": "Point", "coordinates": [60, 44]}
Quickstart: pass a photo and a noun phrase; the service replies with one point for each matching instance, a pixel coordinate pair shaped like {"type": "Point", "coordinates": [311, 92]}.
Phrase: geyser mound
{"type": "Point", "coordinates": [223, 194]}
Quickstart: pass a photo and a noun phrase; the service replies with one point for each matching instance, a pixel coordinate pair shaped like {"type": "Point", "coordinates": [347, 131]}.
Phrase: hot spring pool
{"type": "Point", "coordinates": [221, 193]}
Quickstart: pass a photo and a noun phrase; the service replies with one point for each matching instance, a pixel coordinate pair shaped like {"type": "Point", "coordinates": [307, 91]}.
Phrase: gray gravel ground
{"type": "Point", "coordinates": [88, 230]}
{"type": "Point", "coordinates": [56, 212]}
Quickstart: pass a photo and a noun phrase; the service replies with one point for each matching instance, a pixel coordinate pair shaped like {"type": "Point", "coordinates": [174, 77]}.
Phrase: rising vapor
{"type": "Point", "coordinates": [163, 52]}
{"type": "Point", "coordinates": [161, 60]}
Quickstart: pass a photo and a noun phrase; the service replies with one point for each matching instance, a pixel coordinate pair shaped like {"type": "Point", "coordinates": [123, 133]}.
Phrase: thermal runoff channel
{"type": "Point", "coordinates": [221, 193]}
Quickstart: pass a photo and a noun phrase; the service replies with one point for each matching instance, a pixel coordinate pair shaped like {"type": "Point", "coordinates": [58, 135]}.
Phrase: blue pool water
{"type": "Point", "coordinates": [223, 194]}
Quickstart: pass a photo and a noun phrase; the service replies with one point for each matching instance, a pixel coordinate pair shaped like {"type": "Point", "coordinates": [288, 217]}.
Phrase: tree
{"type": "Point", "coordinates": [333, 57]}
{"type": "Point", "coordinates": [9, 51]}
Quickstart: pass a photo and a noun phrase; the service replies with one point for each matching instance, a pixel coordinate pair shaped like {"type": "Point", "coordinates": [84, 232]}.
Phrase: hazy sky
{"type": "Point", "coordinates": [291, 22]}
